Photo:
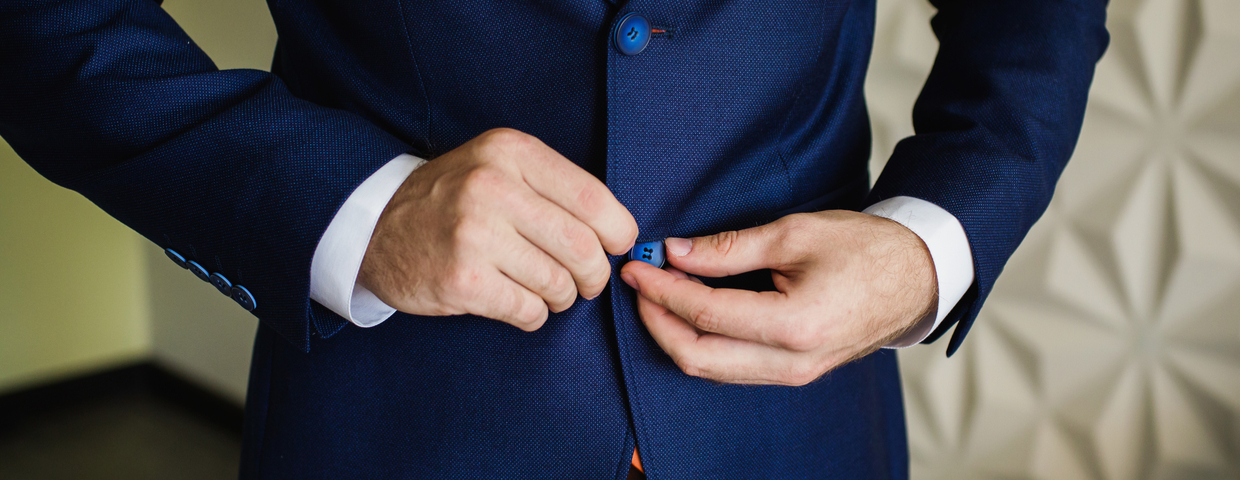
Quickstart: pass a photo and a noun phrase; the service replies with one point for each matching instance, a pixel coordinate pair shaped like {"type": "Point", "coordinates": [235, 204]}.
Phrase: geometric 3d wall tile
{"type": "Point", "coordinates": [1110, 348]}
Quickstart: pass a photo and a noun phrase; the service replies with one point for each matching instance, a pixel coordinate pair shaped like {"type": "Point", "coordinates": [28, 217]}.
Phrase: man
{"type": "Point", "coordinates": [728, 137]}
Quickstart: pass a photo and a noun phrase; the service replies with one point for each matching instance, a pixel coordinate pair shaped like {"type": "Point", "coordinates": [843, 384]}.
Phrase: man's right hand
{"type": "Point", "coordinates": [501, 227]}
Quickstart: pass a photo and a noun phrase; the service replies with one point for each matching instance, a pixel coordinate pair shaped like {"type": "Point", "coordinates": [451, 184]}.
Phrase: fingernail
{"type": "Point", "coordinates": [629, 280]}
{"type": "Point", "coordinates": [678, 246]}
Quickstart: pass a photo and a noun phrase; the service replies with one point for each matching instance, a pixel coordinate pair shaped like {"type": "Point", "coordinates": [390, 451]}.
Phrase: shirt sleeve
{"type": "Point", "coordinates": [338, 256]}
{"type": "Point", "coordinates": [949, 251]}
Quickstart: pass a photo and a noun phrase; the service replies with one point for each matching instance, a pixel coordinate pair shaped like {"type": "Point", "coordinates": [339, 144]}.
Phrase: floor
{"type": "Point", "coordinates": [130, 436]}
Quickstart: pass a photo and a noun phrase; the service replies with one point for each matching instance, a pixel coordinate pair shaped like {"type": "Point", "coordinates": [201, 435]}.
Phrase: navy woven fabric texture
{"type": "Point", "coordinates": [739, 113]}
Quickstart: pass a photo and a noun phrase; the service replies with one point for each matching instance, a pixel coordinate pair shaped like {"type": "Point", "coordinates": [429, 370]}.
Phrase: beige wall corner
{"type": "Point", "coordinates": [73, 294]}
{"type": "Point", "coordinates": [196, 331]}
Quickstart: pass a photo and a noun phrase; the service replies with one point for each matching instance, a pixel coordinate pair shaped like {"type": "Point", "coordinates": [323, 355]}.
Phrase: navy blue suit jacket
{"type": "Point", "coordinates": [742, 112]}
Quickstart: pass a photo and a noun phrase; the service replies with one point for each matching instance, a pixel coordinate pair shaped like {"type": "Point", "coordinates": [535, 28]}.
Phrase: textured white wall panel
{"type": "Point", "coordinates": [1110, 348]}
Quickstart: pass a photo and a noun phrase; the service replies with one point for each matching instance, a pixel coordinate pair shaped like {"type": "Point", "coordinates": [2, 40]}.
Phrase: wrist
{"type": "Point", "coordinates": [916, 276]}
{"type": "Point", "coordinates": [345, 244]}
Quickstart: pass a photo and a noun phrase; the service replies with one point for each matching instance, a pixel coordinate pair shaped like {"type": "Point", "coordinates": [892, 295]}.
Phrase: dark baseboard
{"type": "Point", "coordinates": [144, 378]}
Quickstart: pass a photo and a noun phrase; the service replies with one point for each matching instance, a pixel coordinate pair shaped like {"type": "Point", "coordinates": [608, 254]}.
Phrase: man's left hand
{"type": "Point", "coordinates": [848, 283]}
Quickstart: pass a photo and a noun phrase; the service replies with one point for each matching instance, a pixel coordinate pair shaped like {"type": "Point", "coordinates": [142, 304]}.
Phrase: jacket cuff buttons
{"type": "Point", "coordinates": [238, 293]}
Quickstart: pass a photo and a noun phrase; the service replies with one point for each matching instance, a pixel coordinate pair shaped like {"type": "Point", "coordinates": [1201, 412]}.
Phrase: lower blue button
{"type": "Point", "coordinates": [198, 271]}
{"type": "Point", "coordinates": [222, 284]}
{"type": "Point", "coordinates": [243, 297]}
{"type": "Point", "coordinates": [175, 257]}
{"type": "Point", "coordinates": [649, 252]}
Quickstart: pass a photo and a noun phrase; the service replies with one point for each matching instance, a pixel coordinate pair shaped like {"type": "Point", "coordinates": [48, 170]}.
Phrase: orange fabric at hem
{"type": "Point", "coordinates": [637, 461]}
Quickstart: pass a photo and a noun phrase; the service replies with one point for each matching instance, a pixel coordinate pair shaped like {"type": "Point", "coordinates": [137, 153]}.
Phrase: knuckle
{"type": "Point", "coordinates": [689, 366]}
{"type": "Point", "coordinates": [704, 317]}
{"type": "Point", "coordinates": [793, 227]}
{"type": "Point", "coordinates": [590, 200]}
{"type": "Point", "coordinates": [615, 236]}
{"type": "Point", "coordinates": [559, 280]}
{"type": "Point", "coordinates": [551, 282]}
{"type": "Point", "coordinates": [497, 143]}
{"type": "Point", "coordinates": [560, 306]}
{"type": "Point", "coordinates": [796, 381]}
{"type": "Point", "coordinates": [512, 301]}
{"type": "Point", "coordinates": [794, 221]}
{"type": "Point", "coordinates": [562, 288]}
{"type": "Point", "coordinates": [484, 180]}
{"type": "Point", "coordinates": [629, 235]}
{"type": "Point", "coordinates": [465, 236]}
{"type": "Point", "coordinates": [533, 318]}
{"type": "Point", "coordinates": [596, 280]}
{"type": "Point", "coordinates": [522, 321]}
{"type": "Point", "coordinates": [460, 281]}
{"type": "Point", "coordinates": [724, 242]}
{"type": "Point", "coordinates": [529, 322]}
{"type": "Point", "coordinates": [579, 241]}
{"type": "Point", "coordinates": [500, 136]}
{"type": "Point", "coordinates": [528, 311]}
{"type": "Point", "coordinates": [800, 338]}
{"type": "Point", "coordinates": [801, 374]}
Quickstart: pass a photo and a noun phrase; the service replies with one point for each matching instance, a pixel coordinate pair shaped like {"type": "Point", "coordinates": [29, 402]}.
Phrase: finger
{"type": "Point", "coordinates": [498, 297]}
{"type": "Point", "coordinates": [728, 253]}
{"type": "Point", "coordinates": [572, 244]}
{"type": "Point", "coordinates": [720, 358]}
{"type": "Point", "coordinates": [673, 334]}
{"type": "Point", "coordinates": [755, 316]}
{"type": "Point", "coordinates": [564, 183]}
{"type": "Point", "coordinates": [538, 272]}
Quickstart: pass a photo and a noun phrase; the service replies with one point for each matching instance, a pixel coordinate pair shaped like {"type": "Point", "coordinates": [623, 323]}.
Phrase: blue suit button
{"type": "Point", "coordinates": [632, 34]}
{"type": "Point", "coordinates": [649, 252]}
{"type": "Point", "coordinates": [222, 284]}
{"type": "Point", "coordinates": [175, 257]}
{"type": "Point", "coordinates": [243, 297]}
{"type": "Point", "coordinates": [198, 271]}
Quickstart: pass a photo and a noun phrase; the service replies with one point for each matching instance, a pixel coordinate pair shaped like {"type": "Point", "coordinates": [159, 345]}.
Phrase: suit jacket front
{"type": "Point", "coordinates": [739, 113]}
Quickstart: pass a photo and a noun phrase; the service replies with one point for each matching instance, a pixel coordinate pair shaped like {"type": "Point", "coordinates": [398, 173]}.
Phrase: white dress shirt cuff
{"type": "Point", "coordinates": [949, 251]}
{"type": "Point", "coordinates": [338, 257]}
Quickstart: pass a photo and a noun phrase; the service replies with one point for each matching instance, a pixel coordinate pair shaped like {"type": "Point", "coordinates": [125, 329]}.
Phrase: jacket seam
{"type": "Point", "coordinates": [417, 71]}
{"type": "Point", "coordinates": [779, 139]}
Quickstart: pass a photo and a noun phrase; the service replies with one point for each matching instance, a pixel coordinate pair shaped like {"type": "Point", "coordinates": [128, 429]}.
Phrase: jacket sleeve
{"type": "Point", "coordinates": [110, 98]}
{"type": "Point", "coordinates": [996, 123]}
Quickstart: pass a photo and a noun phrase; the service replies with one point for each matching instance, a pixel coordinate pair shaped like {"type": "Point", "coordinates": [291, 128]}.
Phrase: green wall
{"type": "Point", "coordinates": [73, 290]}
{"type": "Point", "coordinates": [80, 292]}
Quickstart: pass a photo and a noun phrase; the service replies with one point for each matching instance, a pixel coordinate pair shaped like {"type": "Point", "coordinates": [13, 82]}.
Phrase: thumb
{"type": "Point", "coordinates": [724, 254]}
